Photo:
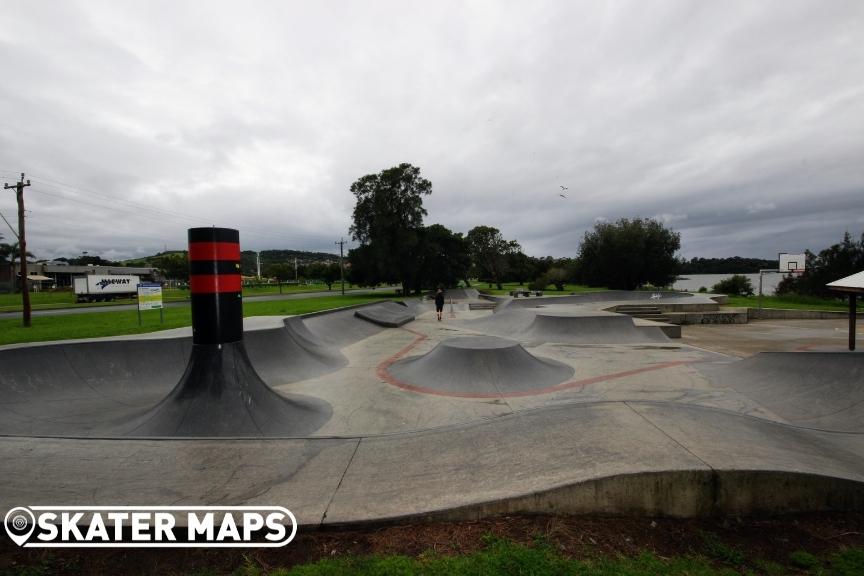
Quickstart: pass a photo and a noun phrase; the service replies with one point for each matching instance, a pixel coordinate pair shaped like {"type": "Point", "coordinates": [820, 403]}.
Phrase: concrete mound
{"type": "Point", "coordinates": [387, 314]}
{"type": "Point", "coordinates": [822, 390]}
{"type": "Point", "coordinates": [221, 395]}
{"type": "Point", "coordinates": [590, 328]}
{"type": "Point", "coordinates": [480, 365]}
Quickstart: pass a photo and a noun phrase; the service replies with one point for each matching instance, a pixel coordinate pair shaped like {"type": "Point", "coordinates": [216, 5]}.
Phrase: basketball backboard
{"type": "Point", "coordinates": [792, 263]}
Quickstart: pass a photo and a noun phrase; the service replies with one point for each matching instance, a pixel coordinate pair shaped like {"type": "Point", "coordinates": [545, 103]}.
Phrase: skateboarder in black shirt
{"type": "Point", "coordinates": [439, 302]}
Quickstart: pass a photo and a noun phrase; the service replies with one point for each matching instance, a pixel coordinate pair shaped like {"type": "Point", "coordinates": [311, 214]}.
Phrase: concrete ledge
{"type": "Point", "coordinates": [786, 314]}
{"type": "Point", "coordinates": [727, 316]}
{"type": "Point", "coordinates": [677, 494]}
{"type": "Point", "coordinates": [682, 494]}
{"type": "Point", "coordinates": [766, 492]}
{"type": "Point", "coordinates": [698, 307]}
{"type": "Point", "coordinates": [671, 330]}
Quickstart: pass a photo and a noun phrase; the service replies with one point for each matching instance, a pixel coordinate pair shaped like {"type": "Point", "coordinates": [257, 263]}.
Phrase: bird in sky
{"type": "Point", "coordinates": [563, 187]}
{"type": "Point", "coordinates": [562, 195]}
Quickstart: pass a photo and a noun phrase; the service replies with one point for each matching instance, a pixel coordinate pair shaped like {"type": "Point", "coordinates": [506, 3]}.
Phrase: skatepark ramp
{"type": "Point", "coordinates": [461, 294]}
{"type": "Point", "coordinates": [591, 328]}
{"type": "Point", "coordinates": [566, 325]}
{"type": "Point", "coordinates": [104, 388]}
{"type": "Point", "coordinates": [387, 314]}
{"type": "Point", "coordinates": [821, 390]}
{"type": "Point", "coordinates": [479, 366]}
{"type": "Point", "coordinates": [221, 395]}
{"type": "Point", "coordinates": [291, 353]}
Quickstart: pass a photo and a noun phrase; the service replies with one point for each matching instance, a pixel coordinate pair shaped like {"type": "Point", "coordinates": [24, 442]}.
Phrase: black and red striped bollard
{"type": "Point", "coordinates": [216, 285]}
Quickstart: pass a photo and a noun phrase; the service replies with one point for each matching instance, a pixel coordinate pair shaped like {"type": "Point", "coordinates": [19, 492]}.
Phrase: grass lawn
{"type": "Point", "coordinates": [123, 322]}
{"type": "Point", "coordinates": [505, 557]}
{"type": "Point", "coordinates": [793, 303]}
{"type": "Point", "coordinates": [66, 299]}
{"type": "Point", "coordinates": [496, 556]}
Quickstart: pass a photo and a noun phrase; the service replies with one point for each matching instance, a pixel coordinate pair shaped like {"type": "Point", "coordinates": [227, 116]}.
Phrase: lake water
{"type": "Point", "coordinates": [692, 282]}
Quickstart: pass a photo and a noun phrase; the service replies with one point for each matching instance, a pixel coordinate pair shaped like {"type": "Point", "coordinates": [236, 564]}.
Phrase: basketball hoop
{"type": "Point", "coordinates": [793, 264]}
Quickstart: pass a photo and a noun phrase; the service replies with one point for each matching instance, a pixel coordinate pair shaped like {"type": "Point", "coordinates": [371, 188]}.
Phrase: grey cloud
{"type": "Point", "coordinates": [705, 115]}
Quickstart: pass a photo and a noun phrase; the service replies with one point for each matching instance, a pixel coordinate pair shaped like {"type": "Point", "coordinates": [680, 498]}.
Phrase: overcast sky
{"type": "Point", "coordinates": [738, 123]}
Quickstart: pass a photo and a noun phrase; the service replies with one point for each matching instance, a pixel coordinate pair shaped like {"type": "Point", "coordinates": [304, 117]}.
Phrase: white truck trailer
{"type": "Point", "coordinates": [105, 287]}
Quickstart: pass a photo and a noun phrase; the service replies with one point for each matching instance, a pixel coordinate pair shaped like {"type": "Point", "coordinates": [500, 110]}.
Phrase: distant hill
{"type": "Point", "coordinates": [248, 263]}
{"type": "Point", "coordinates": [151, 260]}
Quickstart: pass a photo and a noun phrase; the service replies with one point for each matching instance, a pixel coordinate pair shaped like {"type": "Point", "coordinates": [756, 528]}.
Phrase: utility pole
{"type": "Point", "coordinates": [296, 274]}
{"type": "Point", "coordinates": [341, 244]}
{"type": "Point", "coordinates": [22, 245]}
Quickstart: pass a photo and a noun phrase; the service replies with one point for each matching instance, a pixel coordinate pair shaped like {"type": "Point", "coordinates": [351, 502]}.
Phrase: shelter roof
{"type": "Point", "coordinates": [853, 283]}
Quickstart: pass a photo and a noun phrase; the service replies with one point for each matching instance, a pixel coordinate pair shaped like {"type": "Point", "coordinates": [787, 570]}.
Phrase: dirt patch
{"type": "Point", "coordinates": [755, 538]}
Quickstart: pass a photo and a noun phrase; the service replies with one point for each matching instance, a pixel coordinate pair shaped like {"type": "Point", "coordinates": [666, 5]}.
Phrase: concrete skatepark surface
{"type": "Point", "coordinates": [605, 418]}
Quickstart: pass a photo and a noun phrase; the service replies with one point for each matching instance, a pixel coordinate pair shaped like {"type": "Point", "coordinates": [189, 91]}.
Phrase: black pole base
{"type": "Point", "coordinates": [221, 395]}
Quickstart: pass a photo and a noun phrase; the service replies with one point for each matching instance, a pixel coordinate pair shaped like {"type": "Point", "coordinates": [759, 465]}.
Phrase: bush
{"type": "Point", "coordinates": [556, 276]}
{"type": "Point", "coordinates": [539, 284]}
{"type": "Point", "coordinates": [737, 285]}
{"type": "Point", "coordinates": [703, 289]}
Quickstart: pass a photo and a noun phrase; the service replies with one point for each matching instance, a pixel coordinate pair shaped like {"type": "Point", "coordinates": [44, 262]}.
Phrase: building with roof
{"type": "Point", "coordinates": [50, 275]}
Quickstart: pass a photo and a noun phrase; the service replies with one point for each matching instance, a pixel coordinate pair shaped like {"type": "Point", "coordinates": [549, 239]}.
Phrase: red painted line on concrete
{"type": "Point", "coordinates": [215, 283]}
{"type": "Point", "coordinates": [381, 370]}
{"type": "Point", "coordinates": [214, 251]}
{"type": "Point", "coordinates": [384, 374]}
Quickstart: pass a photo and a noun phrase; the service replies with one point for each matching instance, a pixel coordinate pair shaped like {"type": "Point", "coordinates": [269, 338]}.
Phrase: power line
{"type": "Point", "coordinates": [9, 225]}
{"type": "Point", "coordinates": [140, 210]}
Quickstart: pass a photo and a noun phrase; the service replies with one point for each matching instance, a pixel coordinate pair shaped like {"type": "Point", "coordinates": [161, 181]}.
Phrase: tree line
{"type": "Point", "coordinates": [733, 265]}
{"type": "Point", "coordinates": [397, 248]}
{"type": "Point", "coordinates": [833, 263]}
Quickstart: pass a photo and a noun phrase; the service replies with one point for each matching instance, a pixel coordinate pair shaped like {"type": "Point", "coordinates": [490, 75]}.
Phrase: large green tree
{"type": "Point", "coordinates": [362, 268]}
{"type": "Point", "coordinates": [489, 253]}
{"type": "Point", "coordinates": [174, 265]}
{"type": "Point", "coordinates": [388, 218]}
{"type": "Point", "coordinates": [327, 272]}
{"type": "Point", "coordinates": [520, 267]}
{"type": "Point", "coordinates": [444, 257]}
{"type": "Point", "coordinates": [629, 253]}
